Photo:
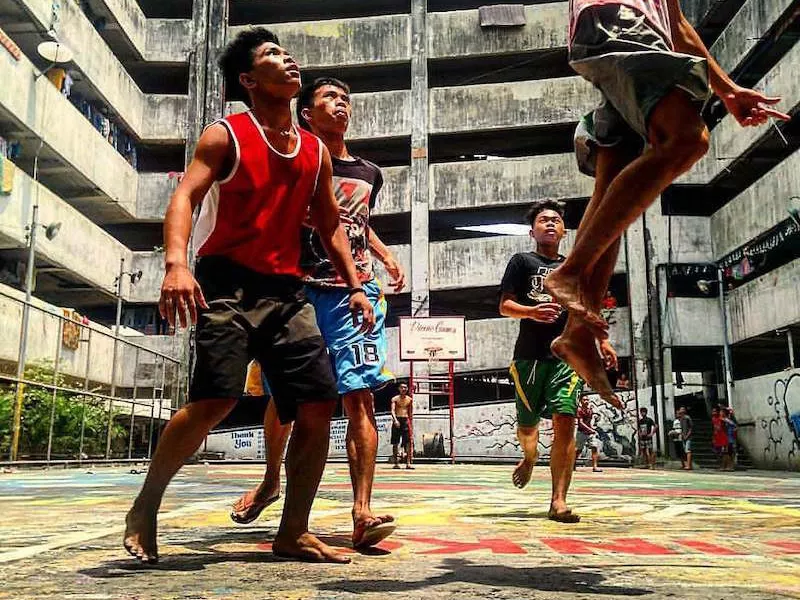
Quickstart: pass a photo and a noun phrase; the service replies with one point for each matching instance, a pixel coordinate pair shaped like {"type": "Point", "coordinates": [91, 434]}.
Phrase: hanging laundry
{"type": "Point", "coordinates": [7, 172]}
{"type": "Point", "coordinates": [56, 77]}
{"type": "Point", "coordinates": [66, 88]}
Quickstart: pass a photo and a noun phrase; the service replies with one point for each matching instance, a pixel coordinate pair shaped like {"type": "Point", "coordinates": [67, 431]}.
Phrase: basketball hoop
{"type": "Point", "coordinates": [434, 340]}
{"type": "Point", "coordinates": [433, 354]}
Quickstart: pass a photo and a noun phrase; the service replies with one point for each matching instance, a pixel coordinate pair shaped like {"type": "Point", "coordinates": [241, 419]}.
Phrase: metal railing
{"type": "Point", "coordinates": [85, 394]}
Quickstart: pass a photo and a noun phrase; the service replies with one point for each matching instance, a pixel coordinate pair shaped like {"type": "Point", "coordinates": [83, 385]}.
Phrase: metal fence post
{"type": "Point", "coordinates": [133, 404]}
{"type": "Point", "coordinates": [55, 386]}
{"type": "Point", "coordinates": [86, 389]}
{"type": "Point", "coordinates": [152, 412]}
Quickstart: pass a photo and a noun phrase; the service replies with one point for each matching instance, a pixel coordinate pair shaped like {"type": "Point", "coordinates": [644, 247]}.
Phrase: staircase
{"type": "Point", "coordinates": [702, 453]}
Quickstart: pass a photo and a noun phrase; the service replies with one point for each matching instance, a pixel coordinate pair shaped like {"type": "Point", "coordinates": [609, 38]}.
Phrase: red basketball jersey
{"type": "Point", "coordinates": [254, 215]}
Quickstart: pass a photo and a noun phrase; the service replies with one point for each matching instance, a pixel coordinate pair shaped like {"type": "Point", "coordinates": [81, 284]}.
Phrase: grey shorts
{"type": "Point", "coordinates": [616, 49]}
{"type": "Point", "coordinates": [585, 439]}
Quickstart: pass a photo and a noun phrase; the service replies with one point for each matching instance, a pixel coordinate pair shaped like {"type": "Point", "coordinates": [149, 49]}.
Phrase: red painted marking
{"type": "Point", "coordinates": [619, 545]}
{"type": "Point", "coordinates": [676, 493]}
{"type": "Point", "coordinates": [496, 545]}
{"type": "Point", "coordinates": [387, 545]}
{"type": "Point", "coordinates": [708, 548]}
{"type": "Point", "coordinates": [438, 487]}
{"type": "Point", "coordinates": [785, 547]}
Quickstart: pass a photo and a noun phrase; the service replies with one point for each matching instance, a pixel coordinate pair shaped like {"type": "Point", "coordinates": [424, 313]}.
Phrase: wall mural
{"type": "Point", "coordinates": [490, 430]}
{"type": "Point", "coordinates": [782, 425]}
{"type": "Point", "coordinates": [480, 431]}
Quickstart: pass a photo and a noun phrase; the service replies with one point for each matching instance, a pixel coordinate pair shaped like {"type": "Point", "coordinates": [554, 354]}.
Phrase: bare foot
{"type": "Point", "coordinates": [251, 504]}
{"type": "Point", "coordinates": [560, 512]}
{"type": "Point", "coordinates": [369, 530]}
{"type": "Point", "coordinates": [566, 291]}
{"type": "Point", "coordinates": [140, 535]}
{"type": "Point", "coordinates": [306, 547]}
{"type": "Point", "coordinates": [522, 473]}
{"type": "Point", "coordinates": [576, 347]}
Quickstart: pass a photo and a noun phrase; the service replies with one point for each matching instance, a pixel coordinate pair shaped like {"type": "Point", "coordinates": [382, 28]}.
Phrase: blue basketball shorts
{"type": "Point", "coordinates": [358, 358]}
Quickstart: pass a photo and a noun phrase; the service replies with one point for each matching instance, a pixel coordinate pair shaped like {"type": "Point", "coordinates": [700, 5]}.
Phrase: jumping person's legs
{"type": "Point", "coordinates": [576, 345]}
{"type": "Point", "coordinates": [678, 138]}
{"type": "Point", "coordinates": [181, 438]}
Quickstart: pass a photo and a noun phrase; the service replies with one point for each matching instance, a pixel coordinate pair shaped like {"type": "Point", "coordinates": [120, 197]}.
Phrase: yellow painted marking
{"type": "Point", "coordinates": [518, 386]}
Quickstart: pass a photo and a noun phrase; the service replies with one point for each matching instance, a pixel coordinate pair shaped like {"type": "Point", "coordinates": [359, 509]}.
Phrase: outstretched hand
{"type": "Point", "coordinates": [751, 108]}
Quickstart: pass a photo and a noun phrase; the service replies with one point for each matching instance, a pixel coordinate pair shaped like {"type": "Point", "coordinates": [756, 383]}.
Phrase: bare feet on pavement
{"type": "Point", "coordinates": [306, 547]}
{"type": "Point", "coordinates": [252, 503]}
{"type": "Point", "coordinates": [559, 511]}
{"type": "Point", "coordinates": [140, 535]}
{"type": "Point", "coordinates": [369, 529]}
{"type": "Point", "coordinates": [522, 473]}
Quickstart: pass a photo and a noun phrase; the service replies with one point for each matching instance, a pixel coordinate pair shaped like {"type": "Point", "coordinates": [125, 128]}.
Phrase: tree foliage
{"type": "Point", "coordinates": [68, 410]}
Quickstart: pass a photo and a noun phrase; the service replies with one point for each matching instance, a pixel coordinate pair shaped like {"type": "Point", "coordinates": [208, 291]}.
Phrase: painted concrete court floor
{"type": "Point", "coordinates": [464, 532]}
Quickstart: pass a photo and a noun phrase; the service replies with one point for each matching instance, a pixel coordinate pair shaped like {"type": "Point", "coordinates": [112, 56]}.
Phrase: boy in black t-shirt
{"type": "Point", "coordinates": [545, 386]}
{"type": "Point", "coordinates": [647, 430]}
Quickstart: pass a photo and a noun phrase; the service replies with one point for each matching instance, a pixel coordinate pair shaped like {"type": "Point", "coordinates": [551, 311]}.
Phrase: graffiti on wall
{"type": "Point", "coordinates": [490, 430]}
{"type": "Point", "coordinates": [782, 425]}
{"type": "Point", "coordinates": [485, 430]}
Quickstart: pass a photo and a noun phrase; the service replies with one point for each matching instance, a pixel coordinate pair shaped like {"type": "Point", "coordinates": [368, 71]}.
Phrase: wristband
{"type": "Point", "coordinates": [356, 290]}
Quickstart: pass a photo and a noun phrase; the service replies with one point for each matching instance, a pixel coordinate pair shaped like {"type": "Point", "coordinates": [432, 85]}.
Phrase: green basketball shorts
{"type": "Point", "coordinates": [543, 388]}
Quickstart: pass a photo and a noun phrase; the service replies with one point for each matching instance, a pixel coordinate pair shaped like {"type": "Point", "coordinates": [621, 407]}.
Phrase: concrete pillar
{"type": "Point", "coordinates": [206, 84]}
{"type": "Point", "coordinates": [646, 349]}
{"type": "Point", "coordinates": [420, 261]}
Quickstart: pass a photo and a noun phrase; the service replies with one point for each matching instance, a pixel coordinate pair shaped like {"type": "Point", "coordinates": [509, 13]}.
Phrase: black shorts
{"type": "Point", "coordinates": [262, 317]}
{"type": "Point", "coordinates": [401, 434]}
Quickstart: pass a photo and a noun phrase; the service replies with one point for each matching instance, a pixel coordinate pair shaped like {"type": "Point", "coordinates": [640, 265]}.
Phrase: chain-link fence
{"type": "Point", "coordinates": [84, 394]}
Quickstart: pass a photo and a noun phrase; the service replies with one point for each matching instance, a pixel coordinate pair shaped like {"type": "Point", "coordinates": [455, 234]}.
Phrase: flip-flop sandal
{"type": "Point", "coordinates": [563, 517]}
{"type": "Point", "coordinates": [252, 512]}
{"type": "Point", "coordinates": [372, 535]}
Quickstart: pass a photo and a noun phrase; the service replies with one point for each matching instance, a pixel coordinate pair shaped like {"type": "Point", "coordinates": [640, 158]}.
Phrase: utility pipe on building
{"type": "Point", "coordinates": [726, 346]}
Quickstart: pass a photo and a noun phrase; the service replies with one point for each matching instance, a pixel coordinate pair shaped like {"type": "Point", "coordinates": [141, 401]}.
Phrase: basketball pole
{"type": "Point", "coordinates": [452, 401]}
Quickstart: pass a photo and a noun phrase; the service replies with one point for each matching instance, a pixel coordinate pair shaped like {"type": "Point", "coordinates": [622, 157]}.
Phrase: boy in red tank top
{"type": "Point", "coordinates": [257, 176]}
{"type": "Point", "coordinates": [654, 73]}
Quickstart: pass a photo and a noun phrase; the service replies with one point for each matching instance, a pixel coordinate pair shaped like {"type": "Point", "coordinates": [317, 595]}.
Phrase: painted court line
{"type": "Point", "coordinates": [93, 534]}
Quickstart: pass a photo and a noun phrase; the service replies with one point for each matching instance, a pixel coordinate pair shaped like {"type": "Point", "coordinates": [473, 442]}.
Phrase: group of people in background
{"type": "Point", "coordinates": [723, 438]}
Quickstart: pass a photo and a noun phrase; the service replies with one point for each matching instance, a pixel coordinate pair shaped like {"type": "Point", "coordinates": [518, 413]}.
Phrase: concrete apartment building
{"type": "Point", "coordinates": [471, 114]}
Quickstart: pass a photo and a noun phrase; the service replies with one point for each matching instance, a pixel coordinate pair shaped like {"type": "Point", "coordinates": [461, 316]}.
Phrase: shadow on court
{"type": "Point", "coordinates": [460, 571]}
